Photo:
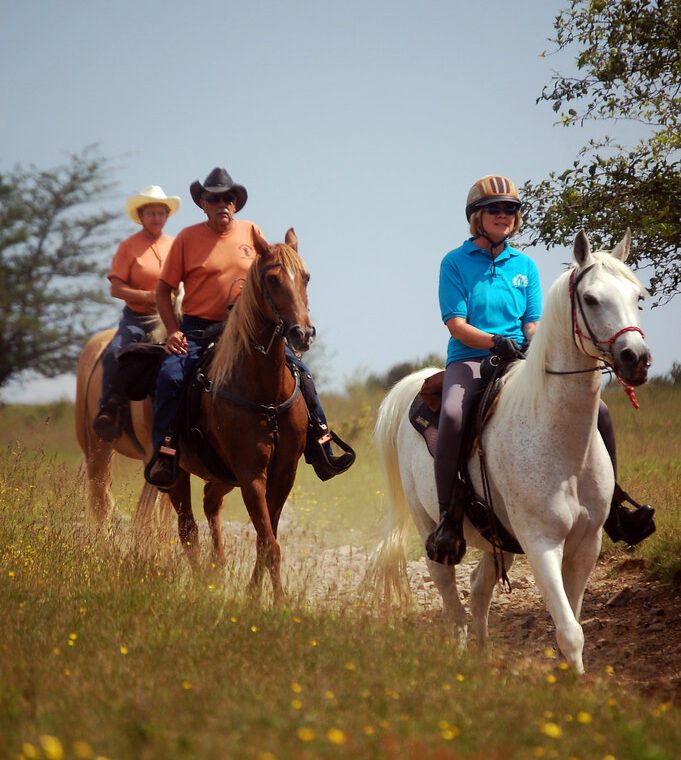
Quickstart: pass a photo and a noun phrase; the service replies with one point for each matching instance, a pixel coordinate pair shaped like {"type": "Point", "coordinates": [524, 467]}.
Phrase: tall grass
{"type": "Point", "coordinates": [104, 654]}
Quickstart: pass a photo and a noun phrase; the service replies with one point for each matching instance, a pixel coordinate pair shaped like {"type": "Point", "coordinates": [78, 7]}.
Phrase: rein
{"type": "Point", "coordinates": [576, 303]}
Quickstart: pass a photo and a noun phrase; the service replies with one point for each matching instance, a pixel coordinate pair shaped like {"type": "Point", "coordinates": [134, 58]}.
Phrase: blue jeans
{"type": "Point", "coordinates": [132, 328]}
{"type": "Point", "coordinates": [173, 375]}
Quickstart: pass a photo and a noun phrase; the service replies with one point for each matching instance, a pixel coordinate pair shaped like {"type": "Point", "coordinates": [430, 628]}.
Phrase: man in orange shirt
{"type": "Point", "coordinates": [211, 259]}
{"type": "Point", "coordinates": [134, 272]}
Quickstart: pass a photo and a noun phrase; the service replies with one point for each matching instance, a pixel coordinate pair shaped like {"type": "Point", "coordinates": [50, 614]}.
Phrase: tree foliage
{"type": "Point", "coordinates": [52, 238]}
{"type": "Point", "coordinates": [628, 68]}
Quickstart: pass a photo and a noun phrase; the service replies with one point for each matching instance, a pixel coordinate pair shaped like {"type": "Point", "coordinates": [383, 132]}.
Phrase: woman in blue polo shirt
{"type": "Point", "coordinates": [490, 298]}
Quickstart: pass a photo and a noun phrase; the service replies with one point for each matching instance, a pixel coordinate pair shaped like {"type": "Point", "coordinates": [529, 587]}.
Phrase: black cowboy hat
{"type": "Point", "coordinates": [218, 181]}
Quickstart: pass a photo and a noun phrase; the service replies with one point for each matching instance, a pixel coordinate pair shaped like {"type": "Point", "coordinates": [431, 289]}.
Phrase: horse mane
{"type": "Point", "coordinates": [525, 383]}
{"type": "Point", "coordinates": [240, 331]}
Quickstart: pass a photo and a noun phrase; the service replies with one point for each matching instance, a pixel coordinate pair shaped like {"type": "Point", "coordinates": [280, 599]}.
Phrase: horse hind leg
{"type": "Point", "coordinates": [98, 475]}
{"type": "Point", "coordinates": [444, 577]}
{"type": "Point", "coordinates": [483, 579]}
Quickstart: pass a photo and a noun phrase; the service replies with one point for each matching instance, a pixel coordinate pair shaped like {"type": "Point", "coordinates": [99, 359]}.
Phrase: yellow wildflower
{"type": "Point", "coordinates": [296, 688]}
{"type": "Point", "coordinates": [52, 747]}
{"type": "Point", "coordinates": [552, 729]}
{"type": "Point", "coordinates": [584, 717]}
{"type": "Point", "coordinates": [82, 750]}
{"type": "Point", "coordinates": [336, 736]}
{"type": "Point", "coordinates": [306, 734]}
{"type": "Point", "coordinates": [29, 751]}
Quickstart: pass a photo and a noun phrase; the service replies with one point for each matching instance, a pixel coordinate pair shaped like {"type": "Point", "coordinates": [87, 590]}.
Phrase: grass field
{"type": "Point", "coordinates": [106, 655]}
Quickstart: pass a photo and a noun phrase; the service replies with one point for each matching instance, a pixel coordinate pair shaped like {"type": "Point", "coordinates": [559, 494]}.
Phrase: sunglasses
{"type": "Point", "coordinates": [508, 210]}
{"type": "Point", "coordinates": [215, 198]}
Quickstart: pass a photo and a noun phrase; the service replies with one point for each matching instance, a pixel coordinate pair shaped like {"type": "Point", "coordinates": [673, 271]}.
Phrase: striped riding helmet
{"type": "Point", "coordinates": [491, 189]}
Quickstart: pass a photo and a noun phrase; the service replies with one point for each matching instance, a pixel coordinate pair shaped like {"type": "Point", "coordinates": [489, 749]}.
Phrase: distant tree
{"type": "Point", "coordinates": [400, 370]}
{"type": "Point", "coordinates": [629, 67]}
{"type": "Point", "coordinates": [52, 237]}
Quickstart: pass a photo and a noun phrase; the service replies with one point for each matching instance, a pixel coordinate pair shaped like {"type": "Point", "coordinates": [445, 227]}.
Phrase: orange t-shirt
{"type": "Point", "coordinates": [138, 262]}
{"type": "Point", "coordinates": [212, 266]}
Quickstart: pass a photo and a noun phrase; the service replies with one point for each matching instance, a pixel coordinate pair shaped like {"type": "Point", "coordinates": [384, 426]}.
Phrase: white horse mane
{"type": "Point", "coordinates": [525, 383]}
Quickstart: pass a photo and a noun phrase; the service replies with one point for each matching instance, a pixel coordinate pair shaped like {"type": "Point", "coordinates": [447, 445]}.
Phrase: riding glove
{"type": "Point", "coordinates": [506, 348]}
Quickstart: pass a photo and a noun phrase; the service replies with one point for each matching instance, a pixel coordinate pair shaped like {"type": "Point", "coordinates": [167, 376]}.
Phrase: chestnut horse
{"type": "Point", "coordinates": [252, 411]}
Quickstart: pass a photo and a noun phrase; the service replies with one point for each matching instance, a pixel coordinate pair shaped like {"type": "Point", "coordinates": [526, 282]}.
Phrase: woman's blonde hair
{"type": "Point", "coordinates": [475, 223]}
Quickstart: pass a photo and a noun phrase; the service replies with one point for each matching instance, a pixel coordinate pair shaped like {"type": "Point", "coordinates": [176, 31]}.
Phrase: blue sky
{"type": "Point", "coordinates": [361, 124]}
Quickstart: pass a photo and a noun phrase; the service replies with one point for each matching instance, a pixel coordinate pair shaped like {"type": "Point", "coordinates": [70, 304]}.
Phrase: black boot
{"type": "Point", "coordinates": [628, 525]}
{"type": "Point", "coordinates": [446, 543]}
{"type": "Point", "coordinates": [108, 423]}
{"type": "Point", "coordinates": [162, 469]}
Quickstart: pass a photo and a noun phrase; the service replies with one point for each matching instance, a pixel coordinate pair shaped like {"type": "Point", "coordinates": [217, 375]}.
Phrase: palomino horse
{"type": "Point", "coordinates": [551, 479]}
{"type": "Point", "coordinates": [135, 442]}
{"type": "Point", "coordinates": [252, 411]}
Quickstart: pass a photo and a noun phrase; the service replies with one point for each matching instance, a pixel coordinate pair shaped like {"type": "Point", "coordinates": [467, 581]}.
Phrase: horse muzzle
{"type": "Point", "coordinates": [300, 338]}
{"type": "Point", "coordinates": [632, 364]}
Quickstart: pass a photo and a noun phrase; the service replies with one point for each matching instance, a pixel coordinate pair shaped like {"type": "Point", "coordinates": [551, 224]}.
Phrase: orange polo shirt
{"type": "Point", "coordinates": [212, 266]}
{"type": "Point", "coordinates": [138, 262]}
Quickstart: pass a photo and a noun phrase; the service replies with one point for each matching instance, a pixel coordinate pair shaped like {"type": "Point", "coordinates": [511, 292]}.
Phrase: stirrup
{"type": "Point", "coordinates": [318, 453]}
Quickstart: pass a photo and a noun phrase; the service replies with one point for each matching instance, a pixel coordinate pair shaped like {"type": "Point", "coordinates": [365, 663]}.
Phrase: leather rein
{"type": "Point", "coordinates": [579, 337]}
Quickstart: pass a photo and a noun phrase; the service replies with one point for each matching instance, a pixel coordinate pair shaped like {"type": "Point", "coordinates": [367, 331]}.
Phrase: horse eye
{"type": "Point", "coordinates": [272, 279]}
{"type": "Point", "coordinates": [590, 300]}
{"type": "Point", "coordinates": [306, 278]}
{"type": "Point", "coordinates": [641, 299]}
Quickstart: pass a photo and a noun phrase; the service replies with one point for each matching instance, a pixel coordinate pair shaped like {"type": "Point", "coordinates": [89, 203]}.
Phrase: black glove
{"type": "Point", "coordinates": [506, 348]}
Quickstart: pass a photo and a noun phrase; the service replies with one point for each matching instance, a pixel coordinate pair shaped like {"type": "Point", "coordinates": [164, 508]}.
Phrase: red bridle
{"type": "Point", "coordinates": [575, 302]}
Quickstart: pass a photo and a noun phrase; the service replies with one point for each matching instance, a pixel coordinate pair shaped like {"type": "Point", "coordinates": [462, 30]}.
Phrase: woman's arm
{"type": "Point", "coordinates": [467, 334]}
{"type": "Point", "coordinates": [121, 289]}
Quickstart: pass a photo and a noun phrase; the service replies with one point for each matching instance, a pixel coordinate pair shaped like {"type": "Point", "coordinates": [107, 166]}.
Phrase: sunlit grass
{"type": "Point", "coordinates": [106, 655]}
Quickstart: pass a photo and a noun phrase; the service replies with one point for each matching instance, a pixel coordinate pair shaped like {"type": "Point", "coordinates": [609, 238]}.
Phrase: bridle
{"type": "Point", "coordinates": [605, 355]}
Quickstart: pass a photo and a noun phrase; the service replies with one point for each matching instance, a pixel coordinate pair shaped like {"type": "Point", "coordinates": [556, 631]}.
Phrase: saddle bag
{"type": "Point", "coordinates": [137, 368]}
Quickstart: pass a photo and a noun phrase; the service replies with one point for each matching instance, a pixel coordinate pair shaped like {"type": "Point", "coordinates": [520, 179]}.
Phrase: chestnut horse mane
{"type": "Point", "coordinates": [240, 333]}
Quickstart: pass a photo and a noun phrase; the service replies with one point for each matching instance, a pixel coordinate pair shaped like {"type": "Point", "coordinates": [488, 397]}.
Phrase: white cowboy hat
{"type": "Point", "coordinates": [150, 194]}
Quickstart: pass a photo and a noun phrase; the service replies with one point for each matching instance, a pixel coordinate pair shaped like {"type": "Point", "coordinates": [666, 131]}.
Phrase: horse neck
{"type": "Point", "coordinates": [576, 394]}
{"type": "Point", "coordinates": [263, 368]}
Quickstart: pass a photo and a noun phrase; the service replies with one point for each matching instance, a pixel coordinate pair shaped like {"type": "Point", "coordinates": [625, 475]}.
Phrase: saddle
{"type": "Point", "coordinates": [424, 415]}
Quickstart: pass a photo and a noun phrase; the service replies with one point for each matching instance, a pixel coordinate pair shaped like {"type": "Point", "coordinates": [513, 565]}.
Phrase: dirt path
{"type": "Point", "coordinates": [630, 623]}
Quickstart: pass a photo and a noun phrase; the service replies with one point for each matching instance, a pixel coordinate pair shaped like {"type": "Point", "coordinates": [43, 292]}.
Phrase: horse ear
{"type": "Point", "coordinates": [582, 249]}
{"type": "Point", "coordinates": [261, 245]}
{"type": "Point", "coordinates": [291, 238]}
{"type": "Point", "coordinates": [621, 250]}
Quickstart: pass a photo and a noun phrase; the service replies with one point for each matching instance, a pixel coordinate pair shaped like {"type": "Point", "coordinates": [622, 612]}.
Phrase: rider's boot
{"type": "Point", "coordinates": [628, 525]}
{"type": "Point", "coordinates": [108, 423]}
{"type": "Point", "coordinates": [446, 544]}
{"type": "Point", "coordinates": [162, 469]}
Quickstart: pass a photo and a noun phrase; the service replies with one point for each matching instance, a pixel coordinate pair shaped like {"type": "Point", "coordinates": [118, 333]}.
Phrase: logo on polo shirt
{"type": "Point", "coordinates": [246, 251]}
{"type": "Point", "coordinates": [520, 281]}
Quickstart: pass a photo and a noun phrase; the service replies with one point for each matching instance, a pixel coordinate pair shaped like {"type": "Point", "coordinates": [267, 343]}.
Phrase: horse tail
{"type": "Point", "coordinates": [151, 520]}
{"type": "Point", "coordinates": [388, 563]}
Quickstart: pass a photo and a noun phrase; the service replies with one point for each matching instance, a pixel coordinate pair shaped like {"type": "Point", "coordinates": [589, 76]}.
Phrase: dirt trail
{"type": "Point", "coordinates": [630, 623]}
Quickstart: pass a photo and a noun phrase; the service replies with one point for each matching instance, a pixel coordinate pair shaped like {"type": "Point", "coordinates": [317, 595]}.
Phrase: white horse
{"type": "Point", "coordinates": [551, 477]}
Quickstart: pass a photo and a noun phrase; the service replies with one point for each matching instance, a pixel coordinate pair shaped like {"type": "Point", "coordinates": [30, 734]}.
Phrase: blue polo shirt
{"type": "Point", "coordinates": [497, 295]}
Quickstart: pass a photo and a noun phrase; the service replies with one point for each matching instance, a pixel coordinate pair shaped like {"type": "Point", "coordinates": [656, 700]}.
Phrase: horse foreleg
{"type": "Point", "coordinates": [483, 579]}
{"type": "Point", "coordinates": [188, 530]}
{"type": "Point", "coordinates": [546, 563]}
{"type": "Point", "coordinates": [213, 494]}
{"type": "Point", "coordinates": [444, 577]}
{"type": "Point", "coordinates": [579, 560]}
{"type": "Point", "coordinates": [268, 553]}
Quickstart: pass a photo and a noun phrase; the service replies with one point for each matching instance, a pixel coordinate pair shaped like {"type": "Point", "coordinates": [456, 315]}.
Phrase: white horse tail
{"type": "Point", "coordinates": [388, 563]}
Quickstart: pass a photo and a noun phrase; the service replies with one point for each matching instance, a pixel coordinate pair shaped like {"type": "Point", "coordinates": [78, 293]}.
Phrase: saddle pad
{"type": "Point", "coordinates": [425, 422]}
